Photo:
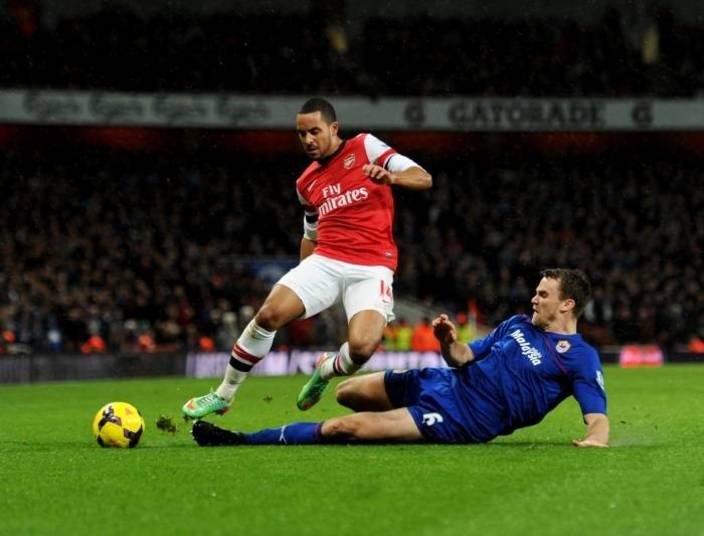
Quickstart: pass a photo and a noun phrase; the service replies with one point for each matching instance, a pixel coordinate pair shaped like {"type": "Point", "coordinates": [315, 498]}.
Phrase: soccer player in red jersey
{"type": "Point", "coordinates": [348, 255]}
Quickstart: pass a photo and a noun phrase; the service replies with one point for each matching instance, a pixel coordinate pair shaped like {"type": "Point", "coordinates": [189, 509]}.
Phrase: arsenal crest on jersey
{"type": "Point", "coordinates": [562, 346]}
{"type": "Point", "coordinates": [349, 161]}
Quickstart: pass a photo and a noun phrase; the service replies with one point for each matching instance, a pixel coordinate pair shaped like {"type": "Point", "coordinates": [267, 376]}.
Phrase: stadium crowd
{"type": "Point", "coordinates": [316, 52]}
{"type": "Point", "coordinates": [105, 250]}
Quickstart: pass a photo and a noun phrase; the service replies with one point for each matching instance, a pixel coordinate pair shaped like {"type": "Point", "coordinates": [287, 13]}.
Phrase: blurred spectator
{"type": "Point", "coordinates": [388, 341]}
{"type": "Point", "coordinates": [94, 345]}
{"type": "Point", "coordinates": [285, 53]}
{"type": "Point", "coordinates": [149, 251]}
{"type": "Point", "coordinates": [466, 328]}
{"type": "Point", "coordinates": [146, 343]}
{"type": "Point", "coordinates": [301, 333]}
{"type": "Point", "coordinates": [227, 333]}
{"type": "Point", "coordinates": [404, 334]}
{"type": "Point", "coordinates": [206, 344]}
{"type": "Point", "coordinates": [696, 345]}
{"type": "Point", "coordinates": [696, 342]}
{"type": "Point", "coordinates": [423, 339]}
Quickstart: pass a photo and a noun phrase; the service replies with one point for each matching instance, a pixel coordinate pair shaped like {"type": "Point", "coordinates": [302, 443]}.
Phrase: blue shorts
{"type": "Point", "coordinates": [429, 395]}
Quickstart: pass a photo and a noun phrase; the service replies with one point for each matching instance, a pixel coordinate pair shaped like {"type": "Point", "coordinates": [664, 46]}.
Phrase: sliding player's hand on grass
{"type": "Point", "coordinates": [588, 443]}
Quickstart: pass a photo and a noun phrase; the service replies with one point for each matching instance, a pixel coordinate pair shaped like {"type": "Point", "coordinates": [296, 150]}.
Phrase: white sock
{"type": "Point", "coordinates": [231, 382]}
{"type": "Point", "coordinates": [340, 365]}
{"type": "Point", "coordinates": [251, 347]}
{"type": "Point", "coordinates": [255, 340]}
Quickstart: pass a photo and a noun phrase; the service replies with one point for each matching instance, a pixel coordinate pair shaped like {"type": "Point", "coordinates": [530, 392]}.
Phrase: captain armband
{"type": "Point", "coordinates": [397, 163]}
{"type": "Point", "coordinates": [310, 226]}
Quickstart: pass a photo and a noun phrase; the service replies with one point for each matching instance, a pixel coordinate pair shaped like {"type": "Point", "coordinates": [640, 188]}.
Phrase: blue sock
{"type": "Point", "coordinates": [297, 433]}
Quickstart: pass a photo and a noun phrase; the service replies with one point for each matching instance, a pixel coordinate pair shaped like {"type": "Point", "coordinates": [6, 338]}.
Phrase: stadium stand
{"type": "Point", "coordinates": [105, 250]}
{"type": "Point", "coordinates": [130, 245]}
{"type": "Point", "coordinates": [310, 53]}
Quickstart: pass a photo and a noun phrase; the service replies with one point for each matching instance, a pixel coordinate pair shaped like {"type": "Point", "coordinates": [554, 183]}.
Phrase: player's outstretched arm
{"type": "Point", "coordinates": [597, 431]}
{"type": "Point", "coordinates": [454, 352]}
{"type": "Point", "coordinates": [413, 178]}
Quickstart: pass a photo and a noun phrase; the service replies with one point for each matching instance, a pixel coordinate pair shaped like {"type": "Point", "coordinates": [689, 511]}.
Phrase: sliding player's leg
{"type": "Point", "coordinates": [394, 426]}
{"type": "Point", "coordinates": [366, 392]}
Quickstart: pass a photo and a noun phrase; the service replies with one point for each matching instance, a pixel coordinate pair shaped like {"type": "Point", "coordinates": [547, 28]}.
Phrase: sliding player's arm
{"type": "Point", "coordinates": [597, 434]}
{"type": "Point", "coordinates": [454, 352]}
{"type": "Point", "coordinates": [590, 392]}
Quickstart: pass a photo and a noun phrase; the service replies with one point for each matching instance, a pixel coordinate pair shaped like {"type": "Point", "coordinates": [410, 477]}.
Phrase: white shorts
{"type": "Point", "coordinates": [321, 282]}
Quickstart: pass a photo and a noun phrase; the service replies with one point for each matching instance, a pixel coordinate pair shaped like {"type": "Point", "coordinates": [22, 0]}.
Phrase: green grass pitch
{"type": "Point", "coordinates": [57, 480]}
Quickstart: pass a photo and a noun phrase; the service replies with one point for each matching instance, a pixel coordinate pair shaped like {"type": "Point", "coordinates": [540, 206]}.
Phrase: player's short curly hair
{"type": "Point", "coordinates": [574, 284]}
{"type": "Point", "coordinates": [318, 104]}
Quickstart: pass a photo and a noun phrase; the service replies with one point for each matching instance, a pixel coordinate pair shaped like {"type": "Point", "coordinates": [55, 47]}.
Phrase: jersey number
{"type": "Point", "coordinates": [429, 419]}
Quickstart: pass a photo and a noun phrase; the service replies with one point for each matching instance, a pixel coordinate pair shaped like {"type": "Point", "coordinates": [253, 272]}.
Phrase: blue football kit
{"type": "Point", "coordinates": [519, 374]}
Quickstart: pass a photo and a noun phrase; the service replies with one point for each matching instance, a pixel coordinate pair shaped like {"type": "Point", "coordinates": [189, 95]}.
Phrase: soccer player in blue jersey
{"type": "Point", "coordinates": [508, 380]}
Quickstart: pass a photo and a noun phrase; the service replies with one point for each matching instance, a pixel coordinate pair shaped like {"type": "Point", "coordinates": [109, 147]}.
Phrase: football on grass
{"type": "Point", "coordinates": [118, 424]}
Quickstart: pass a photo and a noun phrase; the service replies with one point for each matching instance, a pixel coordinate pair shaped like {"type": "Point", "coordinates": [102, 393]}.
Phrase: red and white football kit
{"type": "Point", "coordinates": [351, 219]}
{"type": "Point", "coordinates": [355, 214]}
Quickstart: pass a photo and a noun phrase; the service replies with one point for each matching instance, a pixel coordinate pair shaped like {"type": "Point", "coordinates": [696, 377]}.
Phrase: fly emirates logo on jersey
{"type": "Point", "coordinates": [334, 198]}
{"type": "Point", "coordinates": [526, 349]}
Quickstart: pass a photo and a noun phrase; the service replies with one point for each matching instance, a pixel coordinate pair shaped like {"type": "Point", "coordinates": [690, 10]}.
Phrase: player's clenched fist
{"type": "Point", "coordinates": [444, 330]}
{"type": "Point", "coordinates": [378, 174]}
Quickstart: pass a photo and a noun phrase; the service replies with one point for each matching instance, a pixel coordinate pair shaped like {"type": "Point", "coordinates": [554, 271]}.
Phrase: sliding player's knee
{"type": "Point", "coordinates": [346, 428]}
{"type": "Point", "coordinates": [348, 394]}
{"type": "Point", "coordinates": [343, 393]}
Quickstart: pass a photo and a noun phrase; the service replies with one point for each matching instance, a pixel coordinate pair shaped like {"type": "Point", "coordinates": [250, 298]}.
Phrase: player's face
{"type": "Point", "coordinates": [317, 137]}
{"type": "Point", "coordinates": [546, 302]}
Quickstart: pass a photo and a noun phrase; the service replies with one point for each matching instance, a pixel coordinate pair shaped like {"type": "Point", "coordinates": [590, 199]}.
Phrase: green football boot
{"type": "Point", "coordinates": [200, 406]}
{"type": "Point", "coordinates": [313, 390]}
